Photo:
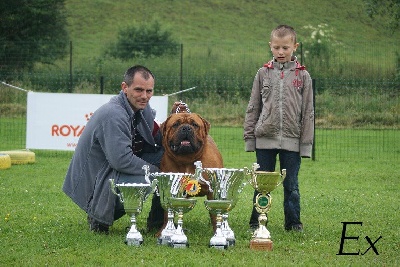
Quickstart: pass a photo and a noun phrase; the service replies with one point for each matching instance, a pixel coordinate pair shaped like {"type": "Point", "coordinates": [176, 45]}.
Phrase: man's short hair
{"type": "Point", "coordinates": [130, 73]}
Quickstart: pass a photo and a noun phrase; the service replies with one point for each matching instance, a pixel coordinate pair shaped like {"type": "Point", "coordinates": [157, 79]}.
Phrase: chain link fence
{"type": "Point", "coordinates": [356, 97]}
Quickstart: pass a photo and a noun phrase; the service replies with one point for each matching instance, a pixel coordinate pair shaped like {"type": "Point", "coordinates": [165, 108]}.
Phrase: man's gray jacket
{"type": "Point", "coordinates": [103, 151]}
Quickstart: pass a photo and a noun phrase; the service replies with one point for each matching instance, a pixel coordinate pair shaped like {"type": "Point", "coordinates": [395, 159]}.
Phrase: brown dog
{"type": "Point", "coordinates": [186, 140]}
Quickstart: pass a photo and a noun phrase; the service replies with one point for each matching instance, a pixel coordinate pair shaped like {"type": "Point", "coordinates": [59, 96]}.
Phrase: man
{"type": "Point", "coordinates": [120, 137]}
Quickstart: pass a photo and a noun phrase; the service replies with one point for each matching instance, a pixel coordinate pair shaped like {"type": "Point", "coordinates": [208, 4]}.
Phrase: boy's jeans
{"type": "Point", "coordinates": [290, 161]}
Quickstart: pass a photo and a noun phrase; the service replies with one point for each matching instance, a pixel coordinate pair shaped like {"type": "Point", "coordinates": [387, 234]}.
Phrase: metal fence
{"type": "Point", "coordinates": [357, 110]}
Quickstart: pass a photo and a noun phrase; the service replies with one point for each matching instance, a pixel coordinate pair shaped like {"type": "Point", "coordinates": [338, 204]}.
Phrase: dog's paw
{"type": "Point", "coordinates": [158, 234]}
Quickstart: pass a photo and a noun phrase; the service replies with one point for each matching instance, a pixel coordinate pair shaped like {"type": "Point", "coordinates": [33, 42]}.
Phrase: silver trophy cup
{"type": "Point", "coordinates": [225, 185]}
{"type": "Point", "coordinates": [132, 195]}
{"type": "Point", "coordinates": [164, 183]}
{"type": "Point", "coordinates": [173, 196]}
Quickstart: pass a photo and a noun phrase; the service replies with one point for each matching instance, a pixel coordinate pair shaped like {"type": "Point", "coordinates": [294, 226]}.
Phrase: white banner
{"type": "Point", "coordinates": [55, 120]}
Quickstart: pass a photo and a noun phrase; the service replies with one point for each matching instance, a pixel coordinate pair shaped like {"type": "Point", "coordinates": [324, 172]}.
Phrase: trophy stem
{"type": "Point", "coordinates": [227, 231]}
{"type": "Point", "coordinates": [261, 239]}
{"type": "Point", "coordinates": [134, 237]}
{"type": "Point", "coordinates": [179, 239]}
{"type": "Point", "coordinates": [219, 240]}
{"type": "Point", "coordinates": [169, 229]}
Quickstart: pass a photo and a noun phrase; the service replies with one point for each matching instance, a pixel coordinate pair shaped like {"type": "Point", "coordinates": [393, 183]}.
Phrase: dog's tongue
{"type": "Point", "coordinates": [185, 143]}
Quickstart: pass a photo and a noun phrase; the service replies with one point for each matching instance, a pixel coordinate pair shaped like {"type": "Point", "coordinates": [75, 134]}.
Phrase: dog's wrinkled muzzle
{"type": "Point", "coordinates": [184, 141]}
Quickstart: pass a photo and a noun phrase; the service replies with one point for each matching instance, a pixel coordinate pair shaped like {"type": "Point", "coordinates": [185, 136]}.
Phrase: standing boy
{"type": "Point", "coordinates": [280, 120]}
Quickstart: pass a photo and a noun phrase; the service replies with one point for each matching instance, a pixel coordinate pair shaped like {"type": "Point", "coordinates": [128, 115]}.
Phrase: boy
{"type": "Point", "coordinates": [280, 120]}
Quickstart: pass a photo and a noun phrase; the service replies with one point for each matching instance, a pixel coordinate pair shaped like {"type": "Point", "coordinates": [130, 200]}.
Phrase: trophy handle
{"type": "Point", "coordinates": [146, 169]}
{"type": "Point", "coordinates": [112, 183]}
{"type": "Point", "coordinates": [199, 176]}
{"type": "Point", "coordinates": [251, 172]}
{"type": "Point", "coordinates": [255, 166]}
{"type": "Point", "coordinates": [113, 186]}
{"type": "Point", "coordinates": [154, 184]}
{"type": "Point", "coordinates": [198, 170]}
{"type": "Point", "coordinates": [283, 175]}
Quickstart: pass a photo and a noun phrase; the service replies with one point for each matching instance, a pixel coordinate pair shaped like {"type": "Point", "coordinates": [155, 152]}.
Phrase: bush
{"type": "Point", "coordinates": [143, 41]}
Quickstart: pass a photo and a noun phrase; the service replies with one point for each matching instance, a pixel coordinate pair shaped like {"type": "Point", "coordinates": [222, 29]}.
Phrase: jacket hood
{"type": "Point", "coordinates": [293, 64]}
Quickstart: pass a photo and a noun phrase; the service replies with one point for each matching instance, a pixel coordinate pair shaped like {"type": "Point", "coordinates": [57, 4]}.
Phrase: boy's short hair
{"type": "Point", "coordinates": [282, 31]}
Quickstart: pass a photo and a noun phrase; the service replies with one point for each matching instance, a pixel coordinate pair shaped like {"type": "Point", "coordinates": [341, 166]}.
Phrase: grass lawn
{"type": "Point", "coordinates": [41, 226]}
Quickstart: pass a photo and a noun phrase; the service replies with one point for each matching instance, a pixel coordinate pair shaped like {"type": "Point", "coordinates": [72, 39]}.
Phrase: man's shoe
{"type": "Point", "coordinates": [97, 227]}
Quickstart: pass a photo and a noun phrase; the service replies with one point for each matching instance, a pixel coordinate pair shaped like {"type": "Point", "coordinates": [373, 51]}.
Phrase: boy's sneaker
{"type": "Point", "coordinates": [254, 226]}
{"type": "Point", "coordinates": [296, 228]}
{"type": "Point", "coordinates": [97, 227]}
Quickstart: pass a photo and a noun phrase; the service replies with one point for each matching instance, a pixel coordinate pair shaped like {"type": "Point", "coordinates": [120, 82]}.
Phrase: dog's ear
{"type": "Point", "coordinates": [163, 125]}
{"type": "Point", "coordinates": [206, 124]}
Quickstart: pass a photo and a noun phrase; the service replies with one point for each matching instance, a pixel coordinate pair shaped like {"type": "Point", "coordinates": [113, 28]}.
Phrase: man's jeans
{"type": "Point", "coordinates": [290, 161]}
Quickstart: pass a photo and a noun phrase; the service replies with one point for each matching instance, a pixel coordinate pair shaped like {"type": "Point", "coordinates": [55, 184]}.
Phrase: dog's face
{"type": "Point", "coordinates": [184, 135]}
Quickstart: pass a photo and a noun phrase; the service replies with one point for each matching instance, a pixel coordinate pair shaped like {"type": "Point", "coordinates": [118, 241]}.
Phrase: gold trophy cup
{"type": "Point", "coordinates": [264, 182]}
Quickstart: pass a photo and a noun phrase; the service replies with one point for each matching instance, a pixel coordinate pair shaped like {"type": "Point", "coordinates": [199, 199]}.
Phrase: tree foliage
{"type": "Point", "coordinates": [30, 32]}
{"type": "Point", "coordinates": [388, 9]}
{"type": "Point", "coordinates": [146, 40]}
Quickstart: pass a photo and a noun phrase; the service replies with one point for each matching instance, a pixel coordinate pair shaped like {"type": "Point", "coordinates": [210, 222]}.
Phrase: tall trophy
{"type": "Point", "coordinates": [264, 182]}
{"type": "Point", "coordinates": [164, 181]}
{"type": "Point", "coordinates": [225, 186]}
{"type": "Point", "coordinates": [132, 195]}
{"type": "Point", "coordinates": [174, 189]}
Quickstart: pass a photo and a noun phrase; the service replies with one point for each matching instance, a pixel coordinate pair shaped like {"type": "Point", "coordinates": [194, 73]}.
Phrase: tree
{"type": "Point", "coordinates": [388, 9]}
{"type": "Point", "coordinates": [146, 40]}
{"type": "Point", "coordinates": [30, 32]}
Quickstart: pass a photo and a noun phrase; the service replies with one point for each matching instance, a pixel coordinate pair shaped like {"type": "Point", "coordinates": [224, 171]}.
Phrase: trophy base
{"type": "Point", "coordinates": [134, 237]}
{"type": "Point", "coordinates": [218, 246]}
{"type": "Point", "coordinates": [164, 240]}
{"type": "Point", "coordinates": [133, 242]}
{"type": "Point", "coordinates": [261, 244]}
{"type": "Point", "coordinates": [219, 242]}
{"type": "Point", "coordinates": [231, 242]}
{"type": "Point", "coordinates": [179, 245]}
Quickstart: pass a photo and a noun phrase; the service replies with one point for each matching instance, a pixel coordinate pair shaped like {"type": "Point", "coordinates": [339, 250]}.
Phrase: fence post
{"type": "Point", "coordinates": [70, 67]}
{"type": "Point", "coordinates": [301, 53]}
{"type": "Point", "coordinates": [181, 78]}
{"type": "Point", "coordinates": [313, 146]}
{"type": "Point", "coordinates": [101, 84]}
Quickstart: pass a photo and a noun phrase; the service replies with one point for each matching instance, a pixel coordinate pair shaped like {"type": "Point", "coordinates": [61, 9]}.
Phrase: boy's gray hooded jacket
{"type": "Point", "coordinates": [280, 113]}
{"type": "Point", "coordinates": [104, 151]}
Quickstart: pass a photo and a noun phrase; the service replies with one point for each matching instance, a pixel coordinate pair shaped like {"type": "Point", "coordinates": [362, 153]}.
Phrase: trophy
{"type": "Point", "coordinates": [264, 182]}
{"type": "Point", "coordinates": [164, 182]}
{"type": "Point", "coordinates": [132, 196]}
{"type": "Point", "coordinates": [173, 189]}
{"type": "Point", "coordinates": [225, 186]}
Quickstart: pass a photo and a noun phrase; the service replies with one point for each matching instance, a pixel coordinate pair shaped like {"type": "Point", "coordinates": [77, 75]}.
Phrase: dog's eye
{"type": "Point", "coordinates": [194, 124]}
{"type": "Point", "coordinates": [175, 125]}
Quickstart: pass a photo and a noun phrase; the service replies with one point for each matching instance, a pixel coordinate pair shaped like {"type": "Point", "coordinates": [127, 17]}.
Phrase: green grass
{"type": "Point", "coordinates": [39, 225]}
